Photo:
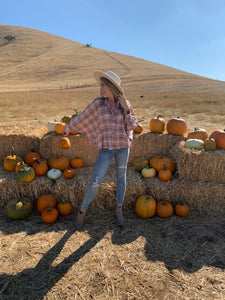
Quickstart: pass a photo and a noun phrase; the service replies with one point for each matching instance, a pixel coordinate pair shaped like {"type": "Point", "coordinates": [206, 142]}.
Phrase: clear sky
{"type": "Point", "coordinates": [185, 34]}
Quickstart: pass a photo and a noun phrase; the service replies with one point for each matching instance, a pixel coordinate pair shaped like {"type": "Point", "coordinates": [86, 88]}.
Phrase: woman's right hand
{"type": "Point", "coordinates": [66, 130]}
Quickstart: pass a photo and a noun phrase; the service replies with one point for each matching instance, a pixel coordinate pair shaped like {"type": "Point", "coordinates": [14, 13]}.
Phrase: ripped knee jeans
{"type": "Point", "coordinates": [104, 160]}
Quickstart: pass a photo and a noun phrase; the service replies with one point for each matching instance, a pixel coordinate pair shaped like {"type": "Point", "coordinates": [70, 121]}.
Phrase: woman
{"type": "Point", "coordinates": [108, 121]}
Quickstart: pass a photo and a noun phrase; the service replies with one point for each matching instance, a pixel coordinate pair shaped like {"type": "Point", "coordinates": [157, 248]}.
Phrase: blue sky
{"type": "Point", "coordinates": [185, 34]}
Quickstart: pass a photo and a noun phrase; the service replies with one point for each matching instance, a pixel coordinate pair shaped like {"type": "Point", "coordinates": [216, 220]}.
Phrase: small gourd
{"type": "Point", "coordinates": [194, 144]}
{"type": "Point", "coordinates": [51, 126]}
{"type": "Point", "coordinates": [210, 144]}
{"type": "Point", "coordinates": [148, 172]}
{"type": "Point", "coordinates": [54, 174]}
{"type": "Point", "coordinates": [139, 163]}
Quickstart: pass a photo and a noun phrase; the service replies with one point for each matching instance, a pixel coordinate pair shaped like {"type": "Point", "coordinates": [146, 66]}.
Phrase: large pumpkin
{"type": "Point", "coordinates": [139, 163]}
{"type": "Point", "coordinates": [198, 133]}
{"type": "Point", "coordinates": [44, 201]}
{"type": "Point", "coordinates": [164, 209]}
{"type": "Point", "coordinates": [157, 124]}
{"type": "Point", "coordinates": [219, 137]}
{"type": "Point", "coordinates": [59, 162]}
{"type": "Point", "coordinates": [20, 208]}
{"type": "Point", "coordinates": [176, 126]}
{"type": "Point", "coordinates": [157, 162]}
{"type": "Point", "coordinates": [30, 156]}
{"type": "Point", "coordinates": [25, 174]}
{"type": "Point", "coordinates": [145, 206]}
{"type": "Point", "coordinates": [49, 214]}
{"type": "Point", "coordinates": [11, 161]}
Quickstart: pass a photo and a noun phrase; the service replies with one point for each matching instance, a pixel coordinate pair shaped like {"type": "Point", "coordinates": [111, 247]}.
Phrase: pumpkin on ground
{"type": "Point", "coordinates": [164, 209]}
{"type": "Point", "coordinates": [40, 167]}
{"type": "Point", "coordinates": [210, 144]}
{"type": "Point", "coordinates": [198, 133]}
{"type": "Point", "coordinates": [77, 163]}
{"type": "Point", "coordinates": [148, 172]}
{"type": "Point", "coordinates": [138, 129]}
{"type": "Point", "coordinates": [25, 174]}
{"type": "Point", "coordinates": [139, 163]}
{"type": "Point", "coordinates": [20, 165]}
{"type": "Point", "coordinates": [49, 214]}
{"type": "Point", "coordinates": [64, 143]}
{"type": "Point", "coordinates": [54, 174]}
{"type": "Point", "coordinates": [59, 127]}
{"type": "Point", "coordinates": [219, 137]}
{"type": "Point", "coordinates": [20, 208]}
{"type": "Point", "coordinates": [165, 174]}
{"type": "Point", "coordinates": [182, 209]}
{"type": "Point", "coordinates": [157, 162]}
{"type": "Point", "coordinates": [44, 201]}
{"type": "Point", "coordinates": [11, 161]}
{"type": "Point", "coordinates": [69, 173]}
{"type": "Point", "coordinates": [157, 124]}
{"type": "Point", "coordinates": [59, 162]}
{"type": "Point", "coordinates": [145, 206]}
{"type": "Point", "coordinates": [64, 208]}
{"type": "Point", "coordinates": [29, 157]}
{"type": "Point", "coordinates": [176, 126]}
{"type": "Point", "coordinates": [194, 144]}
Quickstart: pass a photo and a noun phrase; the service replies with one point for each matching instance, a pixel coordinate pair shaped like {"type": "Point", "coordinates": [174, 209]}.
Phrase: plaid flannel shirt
{"type": "Point", "coordinates": [105, 128]}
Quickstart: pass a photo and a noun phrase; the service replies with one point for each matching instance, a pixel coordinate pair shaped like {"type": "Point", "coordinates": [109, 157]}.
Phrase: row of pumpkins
{"type": "Point", "coordinates": [46, 205]}
{"type": "Point", "coordinates": [34, 165]}
{"type": "Point", "coordinates": [146, 207]}
{"type": "Point", "coordinates": [196, 139]}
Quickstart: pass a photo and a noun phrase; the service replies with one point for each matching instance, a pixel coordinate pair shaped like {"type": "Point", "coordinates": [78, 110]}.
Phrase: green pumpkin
{"type": "Point", "coordinates": [66, 119]}
{"type": "Point", "coordinates": [194, 144]}
{"type": "Point", "coordinates": [25, 174]}
{"type": "Point", "coordinates": [139, 163]}
{"type": "Point", "coordinates": [18, 209]}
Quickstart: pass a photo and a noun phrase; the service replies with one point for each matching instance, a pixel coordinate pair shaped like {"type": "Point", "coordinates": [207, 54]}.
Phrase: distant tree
{"type": "Point", "coordinates": [89, 45]}
{"type": "Point", "coordinates": [10, 38]}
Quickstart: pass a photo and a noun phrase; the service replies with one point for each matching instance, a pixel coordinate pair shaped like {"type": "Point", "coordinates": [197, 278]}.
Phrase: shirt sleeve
{"type": "Point", "coordinates": [86, 122]}
{"type": "Point", "coordinates": [131, 120]}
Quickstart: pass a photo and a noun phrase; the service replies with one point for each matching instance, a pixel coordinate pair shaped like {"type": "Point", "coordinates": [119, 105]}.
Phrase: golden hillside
{"type": "Point", "coordinates": [43, 70]}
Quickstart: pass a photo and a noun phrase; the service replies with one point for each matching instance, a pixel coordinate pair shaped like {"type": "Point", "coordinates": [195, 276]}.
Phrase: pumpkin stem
{"type": "Point", "coordinates": [37, 161]}
{"type": "Point", "coordinates": [159, 116]}
{"type": "Point", "coordinates": [146, 200]}
{"type": "Point", "coordinates": [13, 152]}
{"type": "Point", "coordinates": [164, 167]}
{"type": "Point", "coordinates": [50, 206]}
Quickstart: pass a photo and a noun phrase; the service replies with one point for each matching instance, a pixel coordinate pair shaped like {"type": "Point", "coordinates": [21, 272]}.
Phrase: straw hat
{"type": "Point", "coordinates": [112, 77]}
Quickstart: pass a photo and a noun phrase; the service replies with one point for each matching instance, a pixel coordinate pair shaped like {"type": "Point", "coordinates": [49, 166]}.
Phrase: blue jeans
{"type": "Point", "coordinates": [104, 160]}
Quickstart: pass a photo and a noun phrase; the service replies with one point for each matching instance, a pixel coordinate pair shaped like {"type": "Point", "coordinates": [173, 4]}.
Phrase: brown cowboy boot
{"type": "Point", "coordinates": [119, 215]}
{"type": "Point", "coordinates": [80, 219]}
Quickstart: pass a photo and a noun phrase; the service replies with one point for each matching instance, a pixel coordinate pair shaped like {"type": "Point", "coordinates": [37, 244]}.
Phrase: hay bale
{"type": "Point", "coordinates": [147, 145]}
{"type": "Point", "coordinates": [71, 189]}
{"type": "Point", "coordinates": [199, 194]}
{"type": "Point", "coordinates": [21, 144]}
{"type": "Point", "coordinates": [199, 164]}
{"type": "Point", "coordinates": [80, 147]}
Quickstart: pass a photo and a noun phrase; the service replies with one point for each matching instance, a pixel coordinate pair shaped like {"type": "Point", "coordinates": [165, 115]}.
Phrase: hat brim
{"type": "Point", "coordinates": [99, 74]}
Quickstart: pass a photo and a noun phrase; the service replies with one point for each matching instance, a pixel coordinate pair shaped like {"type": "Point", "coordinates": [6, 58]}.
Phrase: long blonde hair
{"type": "Point", "coordinates": [113, 88]}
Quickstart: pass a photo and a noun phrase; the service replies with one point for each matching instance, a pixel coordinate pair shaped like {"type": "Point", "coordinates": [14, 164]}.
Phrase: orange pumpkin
{"type": "Point", "coordinates": [59, 127]}
{"type": "Point", "coordinates": [198, 133]}
{"type": "Point", "coordinates": [11, 161]}
{"type": "Point", "coordinates": [157, 162]}
{"type": "Point", "coordinates": [29, 157]}
{"type": "Point", "coordinates": [44, 201]}
{"type": "Point", "coordinates": [77, 163]}
{"type": "Point", "coordinates": [157, 124]}
{"type": "Point", "coordinates": [176, 126]}
{"type": "Point", "coordinates": [165, 174]}
{"type": "Point", "coordinates": [145, 206]}
{"type": "Point", "coordinates": [164, 209]}
{"type": "Point", "coordinates": [210, 144]}
{"type": "Point", "coordinates": [59, 162]}
{"type": "Point", "coordinates": [64, 143]}
{"type": "Point", "coordinates": [69, 173]}
{"type": "Point", "coordinates": [40, 167]}
{"type": "Point", "coordinates": [182, 209]}
{"type": "Point", "coordinates": [49, 214]}
{"type": "Point", "coordinates": [64, 208]}
{"type": "Point", "coordinates": [138, 129]}
{"type": "Point", "coordinates": [219, 137]}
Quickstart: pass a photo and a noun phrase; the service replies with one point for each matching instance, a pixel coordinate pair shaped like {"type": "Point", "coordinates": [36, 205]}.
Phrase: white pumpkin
{"type": "Point", "coordinates": [194, 144]}
{"type": "Point", "coordinates": [51, 126]}
{"type": "Point", "coordinates": [54, 174]}
{"type": "Point", "coordinates": [148, 172]}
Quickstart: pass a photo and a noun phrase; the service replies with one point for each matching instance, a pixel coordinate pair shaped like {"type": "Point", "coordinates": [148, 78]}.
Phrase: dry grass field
{"type": "Point", "coordinates": [44, 77]}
